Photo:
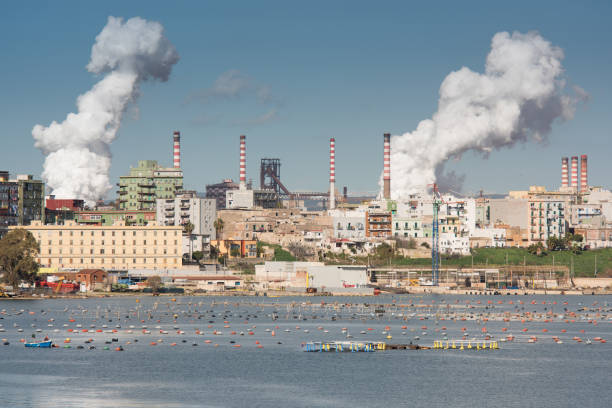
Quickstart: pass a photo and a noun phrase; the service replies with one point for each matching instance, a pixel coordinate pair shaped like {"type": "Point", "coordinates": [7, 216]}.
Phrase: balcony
{"type": "Point", "coordinates": [122, 192]}
{"type": "Point", "coordinates": [146, 184]}
{"type": "Point", "coordinates": [146, 200]}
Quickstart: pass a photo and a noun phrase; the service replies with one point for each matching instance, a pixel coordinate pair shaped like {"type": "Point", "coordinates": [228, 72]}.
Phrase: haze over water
{"type": "Point", "coordinates": [520, 374]}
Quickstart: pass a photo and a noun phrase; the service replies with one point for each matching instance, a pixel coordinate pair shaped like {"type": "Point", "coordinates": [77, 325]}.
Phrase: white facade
{"type": "Point", "coordinates": [201, 212]}
{"type": "Point", "coordinates": [241, 198]}
{"type": "Point", "coordinates": [495, 236]}
{"type": "Point", "coordinates": [451, 244]}
{"type": "Point", "coordinates": [349, 224]}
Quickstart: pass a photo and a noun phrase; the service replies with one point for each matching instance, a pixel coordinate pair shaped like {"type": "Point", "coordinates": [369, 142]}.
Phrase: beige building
{"type": "Point", "coordinates": [116, 247]}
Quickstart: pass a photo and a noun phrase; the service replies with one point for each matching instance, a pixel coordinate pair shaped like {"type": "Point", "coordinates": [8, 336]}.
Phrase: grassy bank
{"type": "Point", "coordinates": [584, 263]}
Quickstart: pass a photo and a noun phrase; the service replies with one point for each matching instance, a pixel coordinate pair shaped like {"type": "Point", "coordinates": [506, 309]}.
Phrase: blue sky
{"type": "Point", "coordinates": [311, 70]}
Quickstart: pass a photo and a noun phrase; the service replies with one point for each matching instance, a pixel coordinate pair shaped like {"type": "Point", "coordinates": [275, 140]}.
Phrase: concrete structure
{"type": "Point", "coordinates": [387, 166]}
{"type": "Point", "coordinates": [117, 247]}
{"type": "Point", "coordinates": [219, 192]}
{"type": "Point", "coordinates": [146, 183]}
{"type": "Point", "coordinates": [57, 211]}
{"type": "Point", "coordinates": [332, 173]}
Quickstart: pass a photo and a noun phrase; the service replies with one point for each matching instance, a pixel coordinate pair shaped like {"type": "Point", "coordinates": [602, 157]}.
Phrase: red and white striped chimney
{"type": "Point", "coordinates": [574, 175]}
{"type": "Point", "coordinates": [332, 173]}
{"type": "Point", "coordinates": [387, 166]}
{"type": "Point", "coordinates": [564, 172]}
{"type": "Point", "coordinates": [177, 149]}
{"type": "Point", "coordinates": [584, 182]}
{"type": "Point", "coordinates": [242, 162]}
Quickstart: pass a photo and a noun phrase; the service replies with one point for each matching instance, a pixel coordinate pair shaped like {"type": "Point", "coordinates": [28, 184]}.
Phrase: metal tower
{"type": "Point", "coordinates": [435, 238]}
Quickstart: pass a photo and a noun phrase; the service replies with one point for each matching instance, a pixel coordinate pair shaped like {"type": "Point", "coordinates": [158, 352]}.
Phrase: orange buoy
{"type": "Point", "coordinates": [173, 344]}
{"type": "Point", "coordinates": [256, 341]}
{"type": "Point", "coordinates": [153, 343]}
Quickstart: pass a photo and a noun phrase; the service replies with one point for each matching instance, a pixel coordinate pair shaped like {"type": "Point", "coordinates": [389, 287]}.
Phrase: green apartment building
{"type": "Point", "coordinates": [146, 183]}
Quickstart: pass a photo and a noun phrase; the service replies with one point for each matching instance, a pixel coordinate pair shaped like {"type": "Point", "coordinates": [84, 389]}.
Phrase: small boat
{"type": "Point", "coordinates": [42, 344]}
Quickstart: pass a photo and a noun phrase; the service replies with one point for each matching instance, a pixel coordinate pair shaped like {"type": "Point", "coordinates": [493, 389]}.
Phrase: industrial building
{"type": "Point", "coordinates": [116, 247]}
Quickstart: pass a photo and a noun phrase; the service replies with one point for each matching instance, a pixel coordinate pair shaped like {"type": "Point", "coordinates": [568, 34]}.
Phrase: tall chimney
{"type": "Point", "coordinates": [564, 172]}
{"type": "Point", "coordinates": [242, 162]}
{"type": "Point", "coordinates": [177, 149]}
{"type": "Point", "coordinates": [332, 173]}
{"type": "Point", "coordinates": [584, 183]}
{"type": "Point", "coordinates": [387, 166]}
{"type": "Point", "coordinates": [574, 176]}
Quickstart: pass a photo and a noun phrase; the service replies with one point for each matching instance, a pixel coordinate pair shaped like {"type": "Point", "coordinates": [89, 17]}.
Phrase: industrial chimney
{"type": "Point", "coordinates": [332, 173]}
{"type": "Point", "coordinates": [387, 166]}
{"type": "Point", "coordinates": [564, 172]}
{"type": "Point", "coordinates": [242, 162]}
{"type": "Point", "coordinates": [584, 183]}
{"type": "Point", "coordinates": [574, 176]}
{"type": "Point", "coordinates": [177, 149]}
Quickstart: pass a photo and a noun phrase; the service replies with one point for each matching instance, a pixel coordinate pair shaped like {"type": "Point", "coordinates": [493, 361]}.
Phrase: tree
{"type": "Point", "coordinates": [298, 250]}
{"type": "Point", "coordinates": [197, 255]}
{"type": "Point", "coordinates": [188, 228]}
{"type": "Point", "coordinates": [235, 252]}
{"type": "Point", "coordinates": [154, 282]}
{"type": "Point", "coordinates": [536, 249]}
{"type": "Point", "coordinates": [214, 252]}
{"type": "Point", "coordinates": [218, 224]}
{"type": "Point", "coordinates": [17, 251]}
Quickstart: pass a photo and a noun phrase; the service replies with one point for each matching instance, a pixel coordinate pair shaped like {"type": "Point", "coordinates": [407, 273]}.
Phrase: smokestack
{"type": "Point", "coordinates": [584, 184]}
{"type": "Point", "coordinates": [177, 149]}
{"type": "Point", "coordinates": [332, 173]}
{"type": "Point", "coordinates": [574, 176]}
{"type": "Point", "coordinates": [564, 172]}
{"type": "Point", "coordinates": [242, 162]}
{"type": "Point", "coordinates": [387, 166]}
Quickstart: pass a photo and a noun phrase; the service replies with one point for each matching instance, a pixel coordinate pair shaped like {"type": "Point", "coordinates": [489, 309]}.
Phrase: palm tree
{"type": "Point", "coordinates": [218, 227]}
{"type": "Point", "coordinates": [188, 228]}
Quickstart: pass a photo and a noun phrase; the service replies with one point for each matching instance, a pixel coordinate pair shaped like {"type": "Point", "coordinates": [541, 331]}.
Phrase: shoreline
{"type": "Point", "coordinates": [274, 294]}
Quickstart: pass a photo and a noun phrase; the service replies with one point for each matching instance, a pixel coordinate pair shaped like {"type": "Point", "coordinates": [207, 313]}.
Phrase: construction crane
{"type": "Point", "coordinates": [435, 237]}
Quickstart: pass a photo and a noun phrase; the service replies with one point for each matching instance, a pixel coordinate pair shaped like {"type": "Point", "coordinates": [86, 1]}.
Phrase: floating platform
{"type": "Point", "coordinates": [358, 346]}
{"type": "Point", "coordinates": [466, 344]}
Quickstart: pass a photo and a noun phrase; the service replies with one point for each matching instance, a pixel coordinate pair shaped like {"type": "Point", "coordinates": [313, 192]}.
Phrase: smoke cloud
{"type": "Point", "coordinates": [77, 150]}
{"type": "Point", "coordinates": [517, 98]}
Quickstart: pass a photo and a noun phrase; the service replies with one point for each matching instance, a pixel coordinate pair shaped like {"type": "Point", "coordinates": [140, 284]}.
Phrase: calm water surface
{"type": "Point", "coordinates": [217, 374]}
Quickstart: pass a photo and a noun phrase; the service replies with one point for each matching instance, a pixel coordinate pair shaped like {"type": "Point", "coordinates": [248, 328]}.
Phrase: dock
{"type": "Point", "coordinates": [369, 346]}
{"type": "Point", "coordinates": [466, 344]}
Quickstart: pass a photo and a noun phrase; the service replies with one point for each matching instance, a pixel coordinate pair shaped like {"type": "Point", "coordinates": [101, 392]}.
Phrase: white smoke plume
{"type": "Point", "coordinates": [518, 97]}
{"type": "Point", "coordinates": [77, 150]}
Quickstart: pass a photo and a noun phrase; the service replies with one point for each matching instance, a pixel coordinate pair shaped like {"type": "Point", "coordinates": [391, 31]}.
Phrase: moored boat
{"type": "Point", "coordinates": [41, 344]}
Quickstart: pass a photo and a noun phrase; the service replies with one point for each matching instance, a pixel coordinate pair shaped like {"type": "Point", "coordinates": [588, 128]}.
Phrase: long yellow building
{"type": "Point", "coordinates": [116, 247]}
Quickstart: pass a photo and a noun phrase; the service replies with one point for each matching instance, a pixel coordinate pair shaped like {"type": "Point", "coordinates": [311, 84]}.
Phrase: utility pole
{"type": "Point", "coordinates": [595, 265]}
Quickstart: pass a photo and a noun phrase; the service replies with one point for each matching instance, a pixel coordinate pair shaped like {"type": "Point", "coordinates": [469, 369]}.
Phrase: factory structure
{"type": "Point", "coordinates": [156, 226]}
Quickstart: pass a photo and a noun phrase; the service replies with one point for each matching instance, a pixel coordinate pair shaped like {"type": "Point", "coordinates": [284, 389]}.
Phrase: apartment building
{"type": "Point", "coordinates": [546, 218]}
{"type": "Point", "coordinates": [146, 183]}
{"type": "Point", "coordinates": [116, 247]}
